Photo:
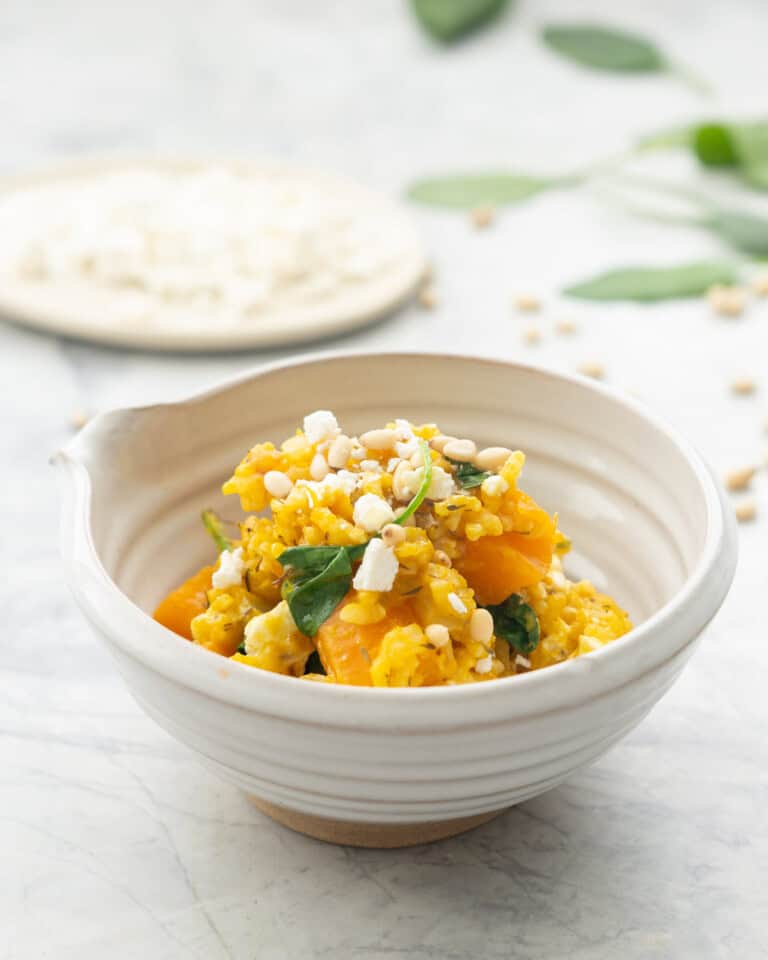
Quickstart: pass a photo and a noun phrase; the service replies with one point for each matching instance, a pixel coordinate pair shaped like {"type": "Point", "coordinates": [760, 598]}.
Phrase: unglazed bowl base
{"type": "Point", "coordinates": [379, 836]}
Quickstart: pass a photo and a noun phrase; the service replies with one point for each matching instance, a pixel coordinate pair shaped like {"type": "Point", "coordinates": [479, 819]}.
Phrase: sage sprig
{"type": "Point", "coordinates": [516, 622]}
{"type": "Point", "coordinates": [450, 20]}
{"type": "Point", "coordinates": [468, 475]}
{"type": "Point", "coordinates": [610, 49]}
{"type": "Point", "coordinates": [494, 189]}
{"type": "Point", "coordinates": [649, 284]}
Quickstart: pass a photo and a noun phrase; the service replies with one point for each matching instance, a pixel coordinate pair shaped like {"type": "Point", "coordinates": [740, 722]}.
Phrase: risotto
{"type": "Point", "coordinates": [402, 557]}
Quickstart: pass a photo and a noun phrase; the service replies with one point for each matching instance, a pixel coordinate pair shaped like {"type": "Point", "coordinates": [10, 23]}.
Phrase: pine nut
{"type": "Point", "coordinates": [463, 451]}
{"type": "Point", "coordinates": [592, 369]}
{"type": "Point", "coordinates": [481, 626]}
{"type": "Point", "coordinates": [402, 481]}
{"type": "Point", "coordinates": [744, 386]}
{"type": "Point", "coordinates": [339, 453]}
{"type": "Point", "coordinates": [277, 484]}
{"type": "Point", "coordinates": [439, 442]}
{"type": "Point", "coordinates": [482, 217]}
{"type": "Point", "coordinates": [438, 635]}
{"type": "Point", "coordinates": [532, 335]}
{"type": "Point", "coordinates": [491, 458]}
{"type": "Point", "coordinates": [442, 558]}
{"type": "Point", "coordinates": [527, 303]}
{"type": "Point", "coordinates": [566, 327]}
{"type": "Point", "coordinates": [318, 469]}
{"type": "Point", "coordinates": [727, 301]}
{"type": "Point", "coordinates": [392, 534]}
{"type": "Point", "coordinates": [740, 479]}
{"type": "Point", "coordinates": [427, 297]}
{"type": "Point", "coordinates": [379, 439]}
{"type": "Point", "coordinates": [746, 511]}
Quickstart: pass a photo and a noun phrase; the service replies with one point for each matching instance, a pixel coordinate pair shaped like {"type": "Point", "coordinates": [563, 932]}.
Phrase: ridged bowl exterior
{"type": "Point", "coordinates": [644, 512]}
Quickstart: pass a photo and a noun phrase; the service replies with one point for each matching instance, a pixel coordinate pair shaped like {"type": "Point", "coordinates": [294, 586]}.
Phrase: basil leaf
{"type": "Point", "coordinates": [468, 475]}
{"type": "Point", "coordinates": [418, 499]}
{"type": "Point", "coordinates": [313, 599]}
{"type": "Point", "coordinates": [648, 284]}
{"type": "Point", "coordinates": [464, 191]}
{"type": "Point", "coordinates": [449, 20]}
{"type": "Point", "coordinates": [515, 621]}
{"type": "Point", "coordinates": [743, 231]}
{"type": "Point", "coordinates": [212, 523]}
{"type": "Point", "coordinates": [314, 664]}
{"type": "Point", "coordinates": [714, 146]}
{"type": "Point", "coordinates": [603, 48]}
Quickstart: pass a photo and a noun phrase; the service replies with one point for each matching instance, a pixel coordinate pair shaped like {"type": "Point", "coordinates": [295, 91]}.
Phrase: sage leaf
{"type": "Point", "coordinates": [450, 20]}
{"type": "Point", "coordinates": [650, 284]}
{"type": "Point", "coordinates": [743, 231]}
{"type": "Point", "coordinates": [604, 48]}
{"type": "Point", "coordinates": [464, 191]}
{"type": "Point", "coordinates": [313, 599]}
{"type": "Point", "coordinates": [516, 622]}
{"type": "Point", "coordinates": [468, 475]}
{"type": "Point", "coordinates": [212, 523]}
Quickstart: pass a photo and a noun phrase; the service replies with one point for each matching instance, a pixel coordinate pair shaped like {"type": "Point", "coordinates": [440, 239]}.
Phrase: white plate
{"type": "Point", "coordinates": [88, 311]}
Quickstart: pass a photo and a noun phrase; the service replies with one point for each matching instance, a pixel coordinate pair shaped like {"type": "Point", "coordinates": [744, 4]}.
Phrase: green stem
{"type": "Point", "coordinates": [212, 523]}
{"type": "Point", "coordinates": [417, 501]}
{"type": "Point", "coordinates": [690, 78]}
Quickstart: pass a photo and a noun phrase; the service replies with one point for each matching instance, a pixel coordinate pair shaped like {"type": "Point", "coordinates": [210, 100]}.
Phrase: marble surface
{"type": "Point", "coordinates": [115, 843]}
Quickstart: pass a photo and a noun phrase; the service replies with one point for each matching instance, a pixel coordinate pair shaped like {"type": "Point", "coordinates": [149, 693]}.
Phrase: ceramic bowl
{"type": "Point", "coordinates": [385, 767]}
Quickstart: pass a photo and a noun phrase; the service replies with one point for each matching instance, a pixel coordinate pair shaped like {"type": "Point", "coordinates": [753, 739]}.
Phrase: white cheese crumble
{"type": "Point", "coordinates": [494, 486]}
{"type": "Point", "coordinates": [371, 512]}
{"type": "Point", "coordinates": [523, 662]}
{"type": "Point", "coordinates": [229, 572]}
{"type": "Point", "coordinates": [484, 664]}
{"type": "Point", "coordinates": [441, 485]}
{"type": "Point", "coordinates": [319, 425]}
{"type": "Point", "coordinates": [378, 568]}
{"type": "Point", "coordinates": [457, 603]}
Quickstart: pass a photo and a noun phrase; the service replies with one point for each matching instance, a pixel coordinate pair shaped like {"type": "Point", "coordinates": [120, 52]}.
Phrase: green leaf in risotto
{"type": "Point", "coordinates": [515, 621]}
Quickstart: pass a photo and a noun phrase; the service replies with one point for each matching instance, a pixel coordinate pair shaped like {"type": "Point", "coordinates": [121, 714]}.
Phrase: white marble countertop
{"type": "Point", "coordinates": [115, 843]}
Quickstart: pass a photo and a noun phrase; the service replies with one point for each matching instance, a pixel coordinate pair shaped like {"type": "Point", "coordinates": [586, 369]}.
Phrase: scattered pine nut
{"type": "Point", "coordinates": [727, 301]}
{"type": "Point", "coordinates": [566, 327]}
{"type": "Point", "coordinates": [592, 369]}
{"type": "Point", "coordinates": [78, 419]}
{"type": "Point", "coordinates": [532, 335]}
{"type": "Point", "coordinates": [746, 511]}
{"type": "Point", "coordinates": [744, 386]}
{"type": "Point", "coordinates": [482, 217]}
{"type": "Point", "coordinates": [760, 284]}
{"type": "Point", "coordinates": [427, 297]}
{"type": "Point", "coordinates": [527, 303]}
{"type": "Point", "coordinates": [740, 479]}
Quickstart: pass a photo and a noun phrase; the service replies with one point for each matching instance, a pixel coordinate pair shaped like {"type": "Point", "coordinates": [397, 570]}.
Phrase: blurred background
{"type": "Point", "coordinates": [367, 91]}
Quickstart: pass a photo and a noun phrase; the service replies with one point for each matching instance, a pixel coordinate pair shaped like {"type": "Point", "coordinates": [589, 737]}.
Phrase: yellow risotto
{"type": "Point", "coordinates": [398, 558]}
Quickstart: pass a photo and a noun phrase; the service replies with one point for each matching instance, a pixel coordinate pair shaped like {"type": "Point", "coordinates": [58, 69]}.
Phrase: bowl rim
{"type": "Point", "coordinates": [189, 664]}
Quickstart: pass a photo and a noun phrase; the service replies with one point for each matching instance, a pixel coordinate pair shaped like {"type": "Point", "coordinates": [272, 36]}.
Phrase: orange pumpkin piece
{"type": "Point", "coordinates": [495, 567]}
{"type": "Point", "coordinates": [184, 603]}
{"type": "Point", "coordinates": [348, 649]}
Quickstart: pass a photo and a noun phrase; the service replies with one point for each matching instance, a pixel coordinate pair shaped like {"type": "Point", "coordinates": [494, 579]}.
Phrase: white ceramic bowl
{"type": "Point", "coordinates": [381, 766]}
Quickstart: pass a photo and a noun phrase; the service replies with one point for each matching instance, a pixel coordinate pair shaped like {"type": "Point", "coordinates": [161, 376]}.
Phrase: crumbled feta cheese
{"type": "Point", "coordinates": [405, 449]}
{"type": "Point", "coordinates": [347, 480]}
{"type": "Point", "coordinates": [441, 485]}
{"type": "Point", "coordinates": [523, 662]}
{"type": "Point", "coordinates": [484, 664]}
{"type": "Point", "coordinates": [494, 486]}
{"type": "Point", "coordinates": [270, 628]}
{"type": "Point", "coordinates": [319, 425]}
{"type": "Point", "coordinates": [378, 569]}
{"type": "Point", "coordinates": [229, 573]}
{"type": "Point", "coordinates": [372, 512]}
{"type": "Point", "coordinates": [456, 602]}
